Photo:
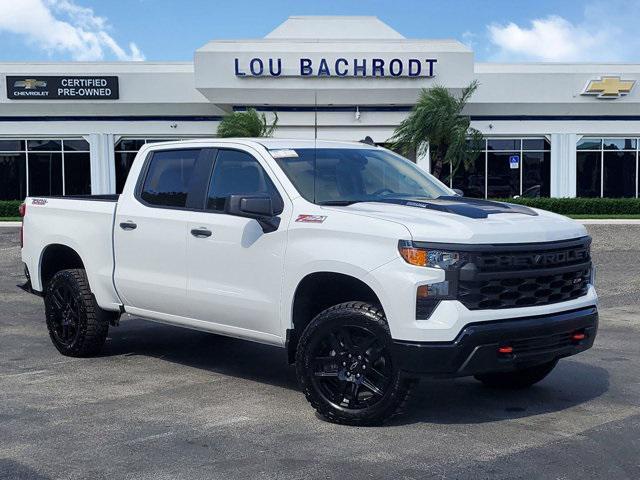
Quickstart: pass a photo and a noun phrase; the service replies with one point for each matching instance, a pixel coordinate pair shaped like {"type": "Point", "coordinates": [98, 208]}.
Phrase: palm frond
{"type": "Point", "coordinates": [437, 120]}
{"type": "Point", "coordinates": [246, 124]}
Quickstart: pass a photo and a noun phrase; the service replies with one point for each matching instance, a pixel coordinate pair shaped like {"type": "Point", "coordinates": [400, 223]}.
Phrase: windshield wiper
{"type": "Point", "coordinates": [339, 203]}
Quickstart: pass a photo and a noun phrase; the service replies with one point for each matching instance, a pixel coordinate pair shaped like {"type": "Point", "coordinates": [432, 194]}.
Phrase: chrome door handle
{"type": "Point", "coordinates": [200, 232]}
{"type": "Point", "coordinates": [128, 226]}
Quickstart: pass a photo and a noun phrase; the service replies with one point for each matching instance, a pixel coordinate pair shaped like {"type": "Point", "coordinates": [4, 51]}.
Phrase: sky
{"type": "Point", "coordinates": [170, 30]}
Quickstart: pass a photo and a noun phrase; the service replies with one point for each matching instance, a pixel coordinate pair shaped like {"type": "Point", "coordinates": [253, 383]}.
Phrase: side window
{"type": "Point", "coordinates": [167, 181]}
{"type": "Point", "coordinates": [238, 173]}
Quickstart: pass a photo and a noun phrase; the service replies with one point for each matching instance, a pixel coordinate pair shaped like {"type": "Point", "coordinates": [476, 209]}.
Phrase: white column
{"type": "Point", "coordinates": [563, 164]}
{"type": "Point", "coordinates": [423, 160]}
{"type": "Point", "coordinates": [103, 165]}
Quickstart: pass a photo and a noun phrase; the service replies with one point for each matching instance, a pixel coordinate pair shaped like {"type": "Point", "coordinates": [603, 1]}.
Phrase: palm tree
{"type": "Point", "coordinates": [246, 124]}
{"type": "Point", "coordinates": [437, 123]}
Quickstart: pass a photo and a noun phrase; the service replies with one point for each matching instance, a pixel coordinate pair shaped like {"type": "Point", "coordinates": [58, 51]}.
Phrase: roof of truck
{"type": "Point", "coordinates": [277, 143]}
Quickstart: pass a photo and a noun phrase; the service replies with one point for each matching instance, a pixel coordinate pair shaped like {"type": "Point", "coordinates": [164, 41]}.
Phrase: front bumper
{"type": "Point", "coordinates": [534, 340]}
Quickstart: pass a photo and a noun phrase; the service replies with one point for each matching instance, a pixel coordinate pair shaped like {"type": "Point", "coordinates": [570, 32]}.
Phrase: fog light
{"type": "Point", "coordinates": [428, 297]}
{"type": "Point", "coordinates": [440, 289]}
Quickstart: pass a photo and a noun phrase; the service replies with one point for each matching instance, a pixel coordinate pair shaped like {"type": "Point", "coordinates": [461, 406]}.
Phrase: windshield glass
{"type": "Point", "coordinates": [341, 176]}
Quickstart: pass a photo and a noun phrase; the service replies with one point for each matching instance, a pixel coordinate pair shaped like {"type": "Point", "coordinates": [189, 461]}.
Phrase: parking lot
{"type": "Point", "coordinates": [168, 403]}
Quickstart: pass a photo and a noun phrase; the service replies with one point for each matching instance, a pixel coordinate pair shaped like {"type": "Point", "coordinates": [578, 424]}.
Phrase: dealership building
{"type": "Point", "coordinates": [560, 130]}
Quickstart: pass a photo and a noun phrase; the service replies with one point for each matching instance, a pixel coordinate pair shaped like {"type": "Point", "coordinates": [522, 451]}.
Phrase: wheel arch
{"type": "Point", "coordinates": [56, 257]}
{"type": "Point", "coordinates": [318, 291]}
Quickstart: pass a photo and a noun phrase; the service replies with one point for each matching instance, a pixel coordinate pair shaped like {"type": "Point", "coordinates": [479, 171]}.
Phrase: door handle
{"type": "Point", "coordinates": [201, 232]}
{"type": "Point", "coordinates": [128, 226]}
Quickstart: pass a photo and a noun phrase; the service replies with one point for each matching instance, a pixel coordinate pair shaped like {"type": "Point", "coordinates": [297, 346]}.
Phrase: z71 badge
{"type": "Point", "coordinates": [38, 201]}
{"type": "Point", "coordinates": [311, 218]}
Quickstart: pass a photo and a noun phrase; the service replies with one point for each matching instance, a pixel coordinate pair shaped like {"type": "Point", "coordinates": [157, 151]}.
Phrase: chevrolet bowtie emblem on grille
{"type": "Point", "coordinates": [609, 87]}
{"type": "Point", "coordinates": [30, 84]}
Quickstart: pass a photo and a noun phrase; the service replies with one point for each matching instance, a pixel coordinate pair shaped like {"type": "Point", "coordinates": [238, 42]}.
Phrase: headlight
{"type": "Point", "coordinates": [428, 257]}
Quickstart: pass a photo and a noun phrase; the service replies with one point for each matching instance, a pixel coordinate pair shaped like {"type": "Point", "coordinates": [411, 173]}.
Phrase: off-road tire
{"type": "Point", "coordinates": [92, 323]}
{"type": "Point", "coordinates": [518, 379]}
{"type": "Point", "coordinates": [358, 317]}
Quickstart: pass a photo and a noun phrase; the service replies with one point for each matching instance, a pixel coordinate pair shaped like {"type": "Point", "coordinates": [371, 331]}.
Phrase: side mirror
{"type": "Point", "coordinates": [258, 207]}
{"type": "Point", "coordinates": [458, 192]}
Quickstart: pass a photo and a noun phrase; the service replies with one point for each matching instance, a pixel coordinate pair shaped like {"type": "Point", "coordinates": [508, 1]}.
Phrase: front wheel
{"type": "Point", "coordinates": [522, 378]}
{"type": "Point", "coordinates": [345, 367]}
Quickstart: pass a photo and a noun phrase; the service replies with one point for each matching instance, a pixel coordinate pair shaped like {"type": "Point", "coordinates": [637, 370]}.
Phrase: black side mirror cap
{"type": "Point", "coordinates": [258, 207]}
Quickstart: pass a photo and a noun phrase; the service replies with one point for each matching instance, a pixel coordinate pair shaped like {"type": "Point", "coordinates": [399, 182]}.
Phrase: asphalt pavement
{"type": "Point", "coordinates": [169, 403]}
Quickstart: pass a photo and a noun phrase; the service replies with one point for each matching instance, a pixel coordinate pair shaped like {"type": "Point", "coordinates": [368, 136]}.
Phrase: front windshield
{"type": "Point", "coordinates": [341, 176]}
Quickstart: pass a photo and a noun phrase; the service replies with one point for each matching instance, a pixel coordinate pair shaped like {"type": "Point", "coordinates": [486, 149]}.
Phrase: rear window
{"type": "Point", "coordinates": [168, 175]}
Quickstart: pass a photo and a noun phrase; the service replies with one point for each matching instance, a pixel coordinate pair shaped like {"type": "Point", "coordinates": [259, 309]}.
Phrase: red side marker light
{"type": "Point", "coordinates": [577, 336]}
{"type": "Point", "coordinates": [505, 350]}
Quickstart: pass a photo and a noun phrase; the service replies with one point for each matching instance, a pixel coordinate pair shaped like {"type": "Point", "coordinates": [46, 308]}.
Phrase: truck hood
{"type": "Point", "coordinates": [461, 220]}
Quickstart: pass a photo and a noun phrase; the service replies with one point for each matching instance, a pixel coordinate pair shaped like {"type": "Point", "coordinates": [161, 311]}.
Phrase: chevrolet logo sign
{"type": "Point", "coordinates": [30, 84]}
{"type": "Point", "coordinates": [609, 87]}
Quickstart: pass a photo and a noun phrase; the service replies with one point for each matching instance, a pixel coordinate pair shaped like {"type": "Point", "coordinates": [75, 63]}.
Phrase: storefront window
{"type": "Point", "coordinates": [13, 175]}
{"type": "Point", "coordinates": [536, 174]}
{"type": "Point", "coordinates": [44, 167]}
{"type": "Point", "coordinates": [45, 174]}
{"type": "Point", "coordinates": [506, 167]}
{"type": "Point", "coordinates": [607, 167]}
{"type": "Point", "coordinates": [77, 173]}
{"type": "Point", "coordinates": [588, 174]}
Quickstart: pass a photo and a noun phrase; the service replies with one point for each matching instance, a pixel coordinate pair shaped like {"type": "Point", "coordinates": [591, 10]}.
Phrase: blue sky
{"type": "Point", "coordinates": [160, 30]}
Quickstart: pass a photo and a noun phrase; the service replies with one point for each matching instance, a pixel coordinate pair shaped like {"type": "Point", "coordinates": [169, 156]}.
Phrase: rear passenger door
{"type": "Point", "coordinates": [235, 269]}
{"type": "Point", "coordinates": [151, 228]}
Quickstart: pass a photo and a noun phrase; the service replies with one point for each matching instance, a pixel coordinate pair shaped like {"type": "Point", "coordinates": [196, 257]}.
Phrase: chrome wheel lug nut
{"type": "Point", "coordinates": [364, 367]}
{"type": "Point", "coordinates": [344, 364]}
{"type": "Point", "coordinates": [349, 355]}
{"type": "Point", "coordinates": [357, 375]}
{"type": "Point", "coordinates": [359, 357]}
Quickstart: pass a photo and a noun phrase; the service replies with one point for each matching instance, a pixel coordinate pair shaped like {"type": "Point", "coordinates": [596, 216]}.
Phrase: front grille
{"type": "Point", "coordinates": [541, 275]}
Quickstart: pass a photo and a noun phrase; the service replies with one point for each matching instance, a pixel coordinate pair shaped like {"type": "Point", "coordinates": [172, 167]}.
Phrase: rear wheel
{"type": "Point", "coordinates": [521, 378]}
{"type": "Point", "coordinates": [77, 326]}
{"type": "Point", "coordinates": [345, 367]}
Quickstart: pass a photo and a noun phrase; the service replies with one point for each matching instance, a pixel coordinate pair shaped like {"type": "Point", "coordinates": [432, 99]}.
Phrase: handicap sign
{"type": "Point", "coordinates": [514, 161]}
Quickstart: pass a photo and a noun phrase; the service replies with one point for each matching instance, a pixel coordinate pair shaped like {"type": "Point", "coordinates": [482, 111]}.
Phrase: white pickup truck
{"type": "Point", "coordinates": [369, 271]}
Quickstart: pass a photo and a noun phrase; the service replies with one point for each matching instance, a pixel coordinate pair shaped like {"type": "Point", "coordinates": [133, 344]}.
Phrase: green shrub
{"type": "Point", "coordinates": [9, 208]}
{"type": "Point", "coordinates": [582, 206]}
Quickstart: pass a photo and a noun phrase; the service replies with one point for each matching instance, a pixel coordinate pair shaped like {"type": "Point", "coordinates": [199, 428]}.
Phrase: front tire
{"type": "Point", "coordinates": [345, 368]}
{"type": "Point", "coordinates": [522, 378]}
{"type": "Point", "coordinates": [77, 325]}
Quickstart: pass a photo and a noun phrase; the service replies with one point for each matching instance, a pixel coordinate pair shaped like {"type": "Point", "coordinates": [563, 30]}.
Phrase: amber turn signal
{"type": "Point", "coordinates": [414, 256]}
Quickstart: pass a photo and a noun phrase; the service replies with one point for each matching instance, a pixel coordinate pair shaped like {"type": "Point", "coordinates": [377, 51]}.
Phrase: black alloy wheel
{"type": "Point", "coordinates": [352, 367]}
{"type": "Point", "coordinates": [345, 366]}
{"type": "Point", "coordinates": [77, 326]}
{"type": "Point", "coordinates": [64, 314]}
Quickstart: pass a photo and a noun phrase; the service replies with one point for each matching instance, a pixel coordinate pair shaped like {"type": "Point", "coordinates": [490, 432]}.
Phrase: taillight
{"type": "Point", "coordinates": [22, 209]}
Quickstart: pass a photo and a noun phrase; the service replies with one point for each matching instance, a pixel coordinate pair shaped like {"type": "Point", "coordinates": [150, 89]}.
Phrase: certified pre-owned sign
{"type": "Point", "coordinates": [62, 88]}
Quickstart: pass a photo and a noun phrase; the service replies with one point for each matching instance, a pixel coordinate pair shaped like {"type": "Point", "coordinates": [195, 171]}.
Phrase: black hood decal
{"type": "Point", "coordinates": [466, 207]}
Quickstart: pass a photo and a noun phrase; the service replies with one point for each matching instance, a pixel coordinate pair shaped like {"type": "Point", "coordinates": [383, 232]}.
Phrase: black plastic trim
{"type": "Point", "coordinates": [499, 247]}
{"type": "Point", "coordinates": [474, 350]}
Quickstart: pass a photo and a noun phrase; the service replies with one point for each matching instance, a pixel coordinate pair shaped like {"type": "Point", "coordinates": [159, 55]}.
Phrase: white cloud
{"type": "Point", "coordinates": [607, 32]}
{"type": "Point", "coordinates": [62, 26]}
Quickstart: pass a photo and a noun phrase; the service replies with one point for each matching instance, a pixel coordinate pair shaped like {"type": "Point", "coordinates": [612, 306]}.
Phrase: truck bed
{"type": "Point", "coordinates": [83, 223]}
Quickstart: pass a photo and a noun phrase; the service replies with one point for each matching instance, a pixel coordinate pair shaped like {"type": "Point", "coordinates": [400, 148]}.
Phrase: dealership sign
{"type": "Point", "coordinates": [336, 67]}
{"type": "Point", "coordinates": [62, 88]}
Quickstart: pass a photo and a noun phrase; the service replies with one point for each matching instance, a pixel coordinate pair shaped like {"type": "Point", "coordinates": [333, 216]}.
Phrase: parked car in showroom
{"type": "Point", "coordinates": [367, 270]}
